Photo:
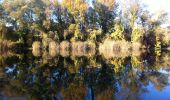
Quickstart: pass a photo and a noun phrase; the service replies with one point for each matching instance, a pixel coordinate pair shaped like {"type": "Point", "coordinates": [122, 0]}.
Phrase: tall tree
{"type": "Point", "coordinates": [106, 13]}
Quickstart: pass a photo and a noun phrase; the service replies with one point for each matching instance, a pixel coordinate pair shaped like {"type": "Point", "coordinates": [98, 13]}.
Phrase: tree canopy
{"type": "Point", "coordinates": [75, 20]}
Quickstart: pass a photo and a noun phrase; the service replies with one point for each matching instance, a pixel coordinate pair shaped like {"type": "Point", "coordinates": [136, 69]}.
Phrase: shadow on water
{"type": "Point", "coordinates": [25, 76]}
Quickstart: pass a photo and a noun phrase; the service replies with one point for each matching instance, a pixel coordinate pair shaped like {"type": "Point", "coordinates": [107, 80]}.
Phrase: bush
{"type": "Point", "coordinates": [36, 48]}
{"type": "Point", "coordinates": [110, 48]}
{"type": "Point", "coordinates": [53, 49]}
{"type": "Point", "coordinates": [80, 48]}
{"type": "Point", "coordinates": [65, 48]}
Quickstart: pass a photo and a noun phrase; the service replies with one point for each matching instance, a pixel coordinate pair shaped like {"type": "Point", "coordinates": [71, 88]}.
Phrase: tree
{"type": "Point", "coordinates": [132, 17]}
{"type": "Point", "coordinates": [118, 33]}
{"type": "Point", "coordinates": [106, 13]}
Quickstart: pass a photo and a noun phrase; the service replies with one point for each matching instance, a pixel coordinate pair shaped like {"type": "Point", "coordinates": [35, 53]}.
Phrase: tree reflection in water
{"type": "Point", "coordinates": [81, 77]}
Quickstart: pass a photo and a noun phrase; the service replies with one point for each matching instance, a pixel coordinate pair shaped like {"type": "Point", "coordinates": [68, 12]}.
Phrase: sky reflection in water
{"type": "Point", "coordinates": [27, 77]}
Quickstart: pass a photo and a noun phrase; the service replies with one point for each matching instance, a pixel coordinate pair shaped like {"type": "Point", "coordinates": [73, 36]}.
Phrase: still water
{"type": "Point", "coordinates": [26, 77]}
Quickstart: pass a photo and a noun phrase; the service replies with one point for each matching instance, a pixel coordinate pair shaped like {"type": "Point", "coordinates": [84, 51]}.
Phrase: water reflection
{"type": "Point", "coordinates": [88, 77]}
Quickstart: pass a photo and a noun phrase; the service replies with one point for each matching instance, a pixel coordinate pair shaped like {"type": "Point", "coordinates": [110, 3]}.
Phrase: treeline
{"type": "Point", "coordinates": [82, 20]}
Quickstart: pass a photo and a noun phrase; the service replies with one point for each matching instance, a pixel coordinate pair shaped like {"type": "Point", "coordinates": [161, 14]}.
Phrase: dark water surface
{"type": "Point", "coordinates": [23, 76]}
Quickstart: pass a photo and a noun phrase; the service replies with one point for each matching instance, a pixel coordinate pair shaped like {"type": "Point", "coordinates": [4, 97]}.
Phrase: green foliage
{"type": "Point", "coordinates": [118, 64]}
{"type": "Point", "coordinates": [75, 20]}
{"type": "Point", "coordinates": [118, 34]}
{"type": "Point", "coordinates": [135, 61]}
{"type": "Point", "coordinates": [77, 33]}
{"type": "Point", "coordinates": [136, 35]}
{"type": "Point", "coordinates": [77, 8]}
{"type": "Point", "coordinates": [158, 46]}
{"type": "Point", "coordinates": [92, 34]}
{"type": "Point", "coordinates": [72, 28]}
{"type": "Point", "coordinates": [106, 13]}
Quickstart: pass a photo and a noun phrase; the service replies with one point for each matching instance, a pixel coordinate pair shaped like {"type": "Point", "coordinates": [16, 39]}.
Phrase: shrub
{"type": "Point", "coordinates": [53, 49]}
{"type": "Point", "coordinates": [65, 48]}
{"type": "Point", "coordinates": [118, 33]}
{"type": "Point", "coordinates": [46, 42]}
{"type": "Point", "coordinates": [78, 48]}
{"type": "Point", "coordinates": [36, 48]}
{"type": "Point", "coordinates": [110, 48]}
{"type": "Point", "coordinates": [137, 34]}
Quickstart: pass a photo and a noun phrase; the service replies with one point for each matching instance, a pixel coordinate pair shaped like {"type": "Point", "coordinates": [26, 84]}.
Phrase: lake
{"type": "Point", "coordinates": [26, 77]}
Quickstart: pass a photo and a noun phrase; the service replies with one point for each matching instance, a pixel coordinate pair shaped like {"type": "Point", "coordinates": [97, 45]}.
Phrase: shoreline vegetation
{"type": "Point", "coordinates": [108, 28]}
{"type": "Point", "coordinates": [94, 61]}
{"type": "Point", "coordinates": [109, 49]}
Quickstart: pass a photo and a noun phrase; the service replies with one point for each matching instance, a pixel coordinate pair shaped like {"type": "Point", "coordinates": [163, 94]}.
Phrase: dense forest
{"type": "Point", "coordinates": [47, 23]}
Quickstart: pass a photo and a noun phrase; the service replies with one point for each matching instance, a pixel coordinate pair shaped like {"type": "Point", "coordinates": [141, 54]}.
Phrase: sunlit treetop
{"type": "Point", "coordinates": [76, 7]}
{"type": "Point", "coordinates": [109, 3]}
